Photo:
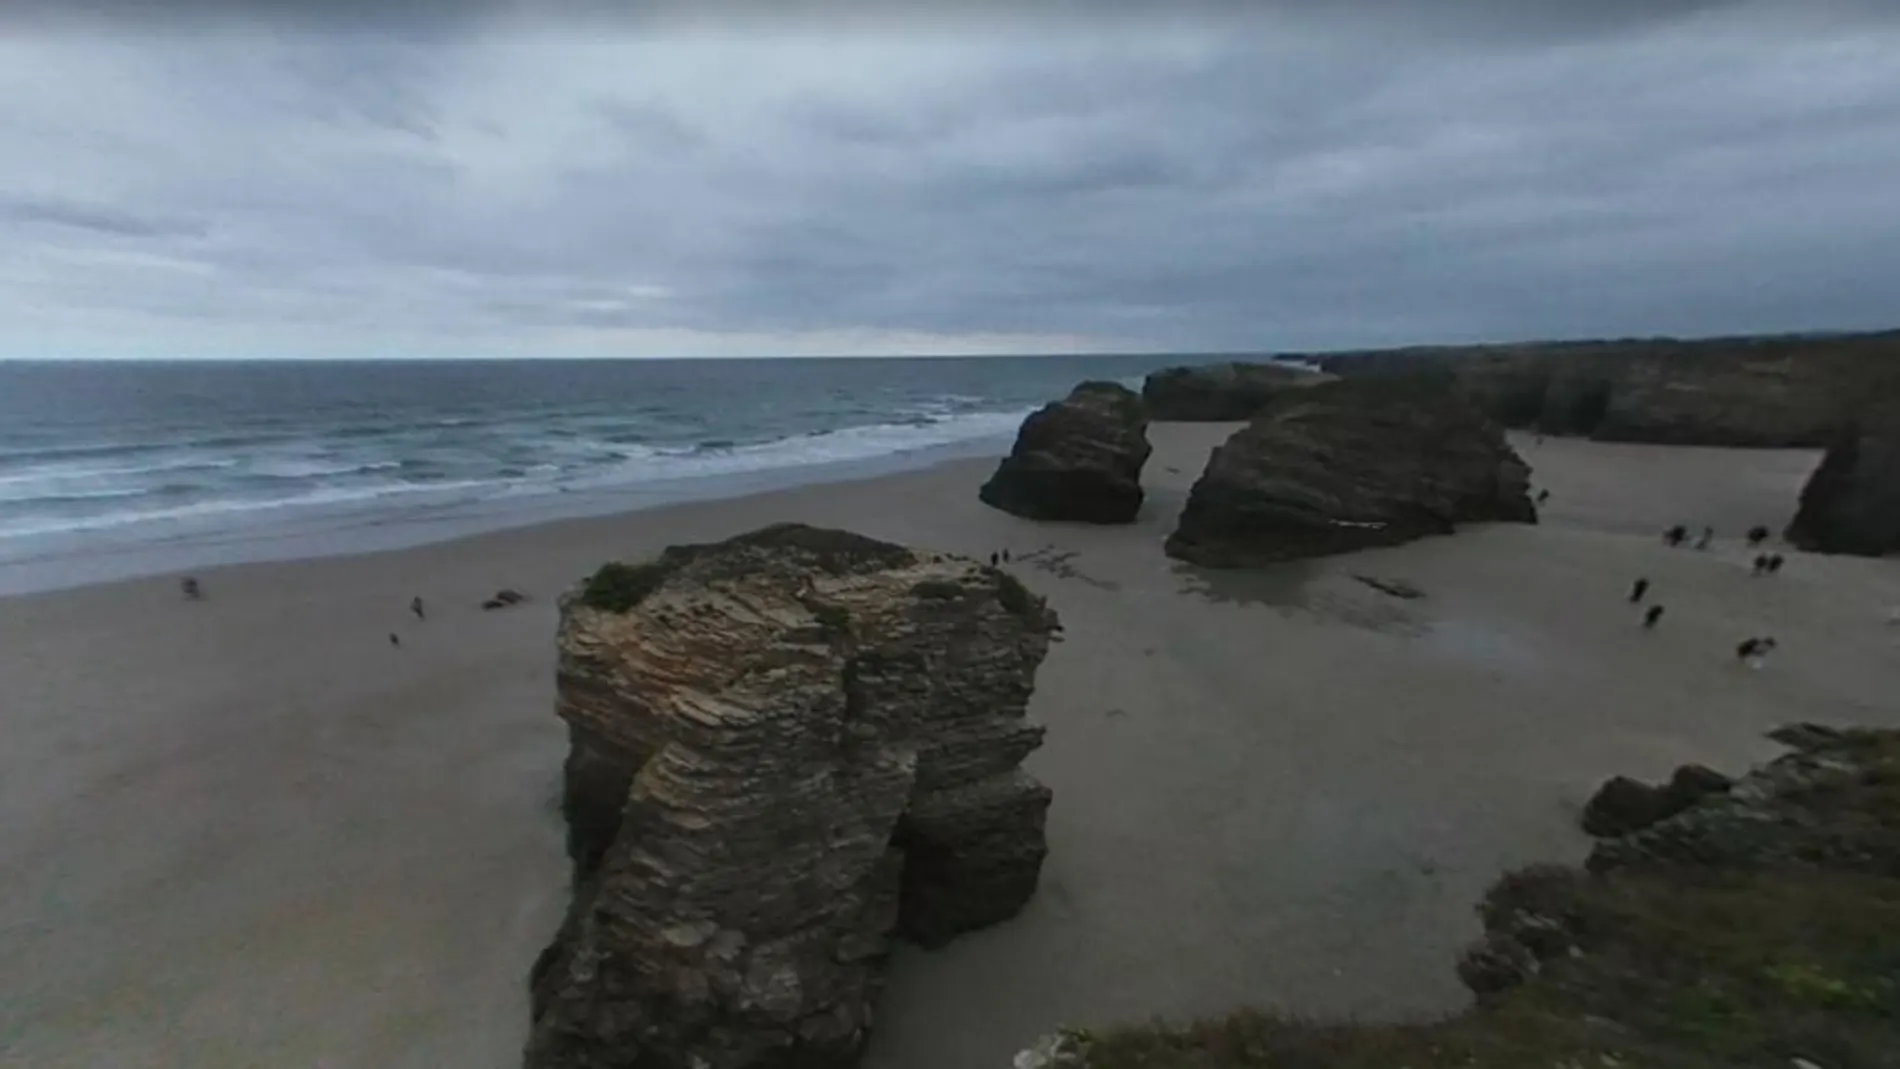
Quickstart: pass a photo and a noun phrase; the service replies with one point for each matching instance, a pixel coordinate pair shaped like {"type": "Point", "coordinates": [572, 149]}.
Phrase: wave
{"type": "Point", "coordinates": [531, 460]}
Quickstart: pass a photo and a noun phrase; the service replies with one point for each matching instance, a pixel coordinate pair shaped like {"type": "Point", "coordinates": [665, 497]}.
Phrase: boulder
{"type": "Point", "coordinates": [1851, 504]}
{"type": "Point", "coordinates": [1211, 393]}
{"type": "Point", "coordinates": [1348, 465]}
{"type": "Point", "coordinates": [1078, 458]}
{"type": "Point", "coordinates": [785, 749]}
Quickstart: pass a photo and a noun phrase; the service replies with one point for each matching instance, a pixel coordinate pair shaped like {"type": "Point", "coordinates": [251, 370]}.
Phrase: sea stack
{"type": "Point", "coordinates": [785, 749]}
{"type": "Point", "coordinates": [1348, 465]}
{"type": "Point", "coordinates": [1079, 458]}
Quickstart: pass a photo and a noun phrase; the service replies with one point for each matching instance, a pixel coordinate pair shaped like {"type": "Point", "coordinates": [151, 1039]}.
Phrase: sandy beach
{"type": "Point", "coordinates": [249, 832]}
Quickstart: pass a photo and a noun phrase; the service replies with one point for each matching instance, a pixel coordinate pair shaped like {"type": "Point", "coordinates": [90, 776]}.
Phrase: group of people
{"type": "Point", "coordinates": [1753, 651]}
{"type": "Point", "coordinates": [1001, 557]}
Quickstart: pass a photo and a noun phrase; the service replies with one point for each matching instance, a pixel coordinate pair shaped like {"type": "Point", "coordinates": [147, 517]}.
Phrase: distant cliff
{"type": "Point", "coordinates": [1774, 391]}
{"type": "Point", "coordinates": [1764, 391]}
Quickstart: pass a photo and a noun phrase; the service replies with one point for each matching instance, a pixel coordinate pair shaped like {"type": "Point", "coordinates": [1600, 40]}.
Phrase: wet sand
{"type": "Point", "coordinates": [248, 832]}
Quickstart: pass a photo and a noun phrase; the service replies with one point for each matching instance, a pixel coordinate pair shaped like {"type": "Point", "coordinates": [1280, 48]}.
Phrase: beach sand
{"type": "Point", "coordinates": [249, 832]}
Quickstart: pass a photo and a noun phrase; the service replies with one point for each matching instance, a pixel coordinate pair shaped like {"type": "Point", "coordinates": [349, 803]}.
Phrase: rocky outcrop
{"type": "Point", "coordinates": [1834, 802]}
{"type": "Point", "coordinates": [1079, 458]}
{"type": "Point", "coordinates": [1785, 391]}
{"type": "Point", "coordinates": [785, 749]}
{"type": "Point", "coordinates": [1851, 504]}
{"type": "Point", "coordinates": [1231, 391]}
{"type": "Point", "coordinates": [1623, 805]}
{"type": "Point", "coordinates": [1350, 465]}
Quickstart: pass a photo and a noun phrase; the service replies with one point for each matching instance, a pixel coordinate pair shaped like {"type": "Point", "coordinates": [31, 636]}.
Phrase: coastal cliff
{"type": "Point", "coordinates": [1770, 391]}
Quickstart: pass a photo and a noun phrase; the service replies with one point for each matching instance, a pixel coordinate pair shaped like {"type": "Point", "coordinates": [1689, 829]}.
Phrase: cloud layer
{"type": "Point", "coordinates": [1294, 177]}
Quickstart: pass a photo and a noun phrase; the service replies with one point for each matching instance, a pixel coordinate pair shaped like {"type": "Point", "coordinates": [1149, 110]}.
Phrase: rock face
{"type": "Point", "coordinates": [1210, 393]}
{"type": "Point", "coordinates": [1778, 391]}
{"type": "Point", "coordinates": [1851, 503]}
{"type": "Point", "coordinates": [1078, 458]}
{"type": "Point", "coordinates": [1349, 465]}
{"type": "Point", "coordinates": [785, 749]}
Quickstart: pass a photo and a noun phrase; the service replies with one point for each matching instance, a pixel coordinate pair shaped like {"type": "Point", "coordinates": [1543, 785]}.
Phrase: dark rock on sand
{"type": "Point", "coordinates": [1832, 803]}
{"type": "Point", "coordinates": [1623, 805]}
{"type": "Point", "coordinates": [1211, 393]}
{"type": "Point", "coordinates": [504, 598]}
{"type": "Point", "coordinates": [1348, 465]}
{"type": "Point", "coordinates": [1078, 458]}
{"type": "Point", "coordinates": [786, 748]}
{"type": "Point", "coordinates": [1851, 504]}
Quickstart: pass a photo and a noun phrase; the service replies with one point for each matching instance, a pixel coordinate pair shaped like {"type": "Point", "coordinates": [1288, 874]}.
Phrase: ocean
{"type": "Point", "coordinates": [126, 468]}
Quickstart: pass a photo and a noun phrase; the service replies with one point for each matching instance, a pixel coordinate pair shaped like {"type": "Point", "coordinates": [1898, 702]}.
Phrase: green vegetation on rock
{"type": "Point", "coordinates": [618, 586]}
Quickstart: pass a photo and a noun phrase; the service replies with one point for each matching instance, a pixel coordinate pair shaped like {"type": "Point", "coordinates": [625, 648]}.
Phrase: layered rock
{"type": "Point", "coordinates": [1851, 504]}
{"type": "Point", "coordinates": [1349, 465]}
{"type": "Point", "coordinates": [1221, 392]}
{"type": "Point", "coordinates": [1623, 805]}
{"type": "Point", "coordinates": [1079, 458]}
{"type": "Point", "coordinates": [786, 748]}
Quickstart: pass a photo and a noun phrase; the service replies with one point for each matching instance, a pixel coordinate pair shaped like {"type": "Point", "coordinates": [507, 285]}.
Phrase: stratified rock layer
{"type": "Point", "coordinates": [1348, 465]}
{"type": "Point", "coordinates": [785, 748]}
{"type": "Point", "coordinates": [1851, 504]}
{"type": "Point", "coordinates": [1221, 392]}
{"type": "Point", "coordinates": [1078, 458]}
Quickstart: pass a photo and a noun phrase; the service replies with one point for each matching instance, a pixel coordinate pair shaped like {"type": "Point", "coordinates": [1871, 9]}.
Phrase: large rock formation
{"type": "Point", "coordinates": [1851, 503]}
{"type": "Point", "coordinates": [1078, 458]}
{"type": "Point", "coordinates": [1221, 392]}
{"type": "Point", "coordinates": [785, 748]}
{"type": "Point", "coordinates": [1348, 465]}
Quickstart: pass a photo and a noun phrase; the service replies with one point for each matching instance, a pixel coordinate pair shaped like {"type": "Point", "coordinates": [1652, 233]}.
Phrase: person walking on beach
{"type": "Point", "coordinates": [1638, 589]}
{"type": "Point", "coordinates": [395, 639]}
{"type": "Point", "coordinates": [993, 560]}
{"type": "Point", "coordinates": [1649, 618]}
{"type": "Point", "coordinates": [1543, 496]}
{"type": "Point", "coordinates": [1675, 535]}
{"type": "Point", "coordinates": [1774, 563]}
{"type": "Point", "coordinates": [1757, 535]}
{"type": "Point", "coordinates": [1761, 564]}
{"type": "Point", "coordinates": [415, 606]}
{"type": "Point", "coordinates": [189, 585]}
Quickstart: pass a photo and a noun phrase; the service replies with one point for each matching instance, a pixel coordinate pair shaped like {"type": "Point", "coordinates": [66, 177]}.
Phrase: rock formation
{"type": "Point", "coordinates": [1078, 458]}
{"type": "Point", "coordinates": [1851, 503]}
{"type": "Point", "coordinates": [1779, 391]}
{"type": "Point", "coordinates": [1348, 465]}
{"type": "Point", "coordinates": [1220, 392]}
{"type": "Point", "coordinates": [785, 748]}
{"type": "Point", "coordinates": [1623, 805]}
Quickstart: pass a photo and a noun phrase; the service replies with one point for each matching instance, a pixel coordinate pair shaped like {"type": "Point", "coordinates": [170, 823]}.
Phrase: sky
{"type": "Point", "coordinates": [500, 180]}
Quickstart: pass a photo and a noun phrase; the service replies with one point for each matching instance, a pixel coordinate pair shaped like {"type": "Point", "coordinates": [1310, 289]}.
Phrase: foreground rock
{"type": "Point", "coordinates": [1754, 928]}
{"type": "Point", "coordinates": [785, 748]}
{"type": "Point", "coordinates": [1851, 503]}
{"type": "Point", "coordinates": [1624, 805]}
{"type": "Point", "coordinates": [1348, 465]}
{"type": "Point", "coordinates": [1223, 392]}
{"type": "Point", "coordinates": [1079, 458]}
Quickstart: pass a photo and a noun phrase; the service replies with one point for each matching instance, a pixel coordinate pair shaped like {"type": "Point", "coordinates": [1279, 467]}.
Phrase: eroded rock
{"type": "Point", "coordinates": [1348, 465]}
{"type": "Point", "coordinates": [1079, 458]}
{"type": "Point", "coordinates": [785, 749]}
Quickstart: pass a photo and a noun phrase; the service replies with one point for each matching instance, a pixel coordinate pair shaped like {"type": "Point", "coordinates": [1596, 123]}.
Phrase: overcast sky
{"type": "Point", "coordinates": [564, 184]}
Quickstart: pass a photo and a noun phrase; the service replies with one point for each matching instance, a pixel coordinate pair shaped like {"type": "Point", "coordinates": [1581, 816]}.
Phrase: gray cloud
{"type": "Point", "coordinates": [1290, 176]}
